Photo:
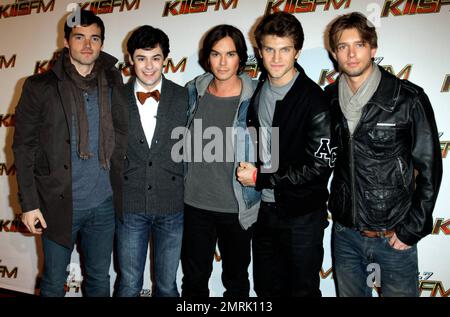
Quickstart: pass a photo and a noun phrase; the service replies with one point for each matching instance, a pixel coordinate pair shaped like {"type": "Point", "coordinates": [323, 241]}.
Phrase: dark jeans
{"type": "Point", "coordinates": [133, 236]}
{"type": "Point", "coordinates": [96, 229]}
{"type": "Point", "coordinates": [202, 229]}
{"type": "Point", "coordinates": [287, 252]}
{"type": "Point", "coordinates": [353, 254]}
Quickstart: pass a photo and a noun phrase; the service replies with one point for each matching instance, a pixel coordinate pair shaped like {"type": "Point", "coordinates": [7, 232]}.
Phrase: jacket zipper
{"type": "Point", "coordinates": [352, 160]}
{"type": "Point", "coordinates": [400, 164]}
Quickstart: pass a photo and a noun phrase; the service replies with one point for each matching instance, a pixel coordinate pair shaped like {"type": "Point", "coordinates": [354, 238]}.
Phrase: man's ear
{"type": "Point", "coordinates": [373, 51]}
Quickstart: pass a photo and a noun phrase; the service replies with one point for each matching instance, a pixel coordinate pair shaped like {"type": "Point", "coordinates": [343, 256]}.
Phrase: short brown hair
{"type": "Point", "coordinates": [281, 24]}
{"type": "Point", "coordinates": [354, 20]}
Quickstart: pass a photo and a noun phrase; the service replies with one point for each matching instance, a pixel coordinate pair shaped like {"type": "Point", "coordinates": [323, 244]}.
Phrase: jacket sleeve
{"type": "Point", "coordinates": [28, 117]}
{"type": "Point", "coordinates": [427, 161]}
{"type": "Point", "coordinates": [320, 157]}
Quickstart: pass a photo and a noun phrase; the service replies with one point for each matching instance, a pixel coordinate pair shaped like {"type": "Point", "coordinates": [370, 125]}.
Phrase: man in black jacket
{"type": "Point", "coordinates": [385, 130]}
{"type": "Point", "coordinates": [153, 185]}
{"type": "Point", "coordinates": [287, 242]}
{"type": "Point", "coordinates": [68, 147]}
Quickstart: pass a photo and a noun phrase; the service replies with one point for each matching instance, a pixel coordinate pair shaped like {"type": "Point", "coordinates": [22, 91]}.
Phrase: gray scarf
{"type": "Point", "coordinates": [352, 104]}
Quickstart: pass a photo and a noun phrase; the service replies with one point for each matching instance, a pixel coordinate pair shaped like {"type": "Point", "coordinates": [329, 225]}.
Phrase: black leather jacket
{"type": "Point", "coordinates": [374, 185]}
{"type": "Point", "coordinates": [305, 158]}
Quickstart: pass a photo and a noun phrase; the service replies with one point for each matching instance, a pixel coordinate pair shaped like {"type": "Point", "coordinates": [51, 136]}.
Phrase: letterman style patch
{"type": "Point", "coordinates": [324, 152]}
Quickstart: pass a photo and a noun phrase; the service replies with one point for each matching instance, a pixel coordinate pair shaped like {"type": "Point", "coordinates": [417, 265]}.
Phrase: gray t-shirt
{"type": "Point", "coordinates": [209, 183]}
{"type": "Point", "coordinates": [267, 101]}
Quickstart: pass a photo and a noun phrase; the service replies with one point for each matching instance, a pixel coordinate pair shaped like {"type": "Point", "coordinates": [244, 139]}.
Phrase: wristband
{"type": "Point", "coordinates": [254, 175]}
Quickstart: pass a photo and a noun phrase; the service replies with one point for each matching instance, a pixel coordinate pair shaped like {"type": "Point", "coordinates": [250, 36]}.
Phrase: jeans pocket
{"type": "Point", "coordinates": [391, 249]}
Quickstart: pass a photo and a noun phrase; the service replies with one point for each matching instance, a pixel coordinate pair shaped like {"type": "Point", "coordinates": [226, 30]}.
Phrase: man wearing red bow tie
{"type": "Point", "coordinates": [153, 182]}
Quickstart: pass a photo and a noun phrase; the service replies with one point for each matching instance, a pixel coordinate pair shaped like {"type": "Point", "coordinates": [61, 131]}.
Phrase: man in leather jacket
{"type": "Point", "coordinates": [287, 241]}
{"type": "Point", "coordinates": [384, 129]}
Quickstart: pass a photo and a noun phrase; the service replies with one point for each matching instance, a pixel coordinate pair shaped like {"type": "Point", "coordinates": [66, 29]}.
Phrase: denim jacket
{"type": "Point", "coordinates": [248, 198]}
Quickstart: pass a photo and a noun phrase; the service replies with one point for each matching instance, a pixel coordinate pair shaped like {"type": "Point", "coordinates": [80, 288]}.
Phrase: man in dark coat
{"type": "Point", "coordinates": [68, 147]}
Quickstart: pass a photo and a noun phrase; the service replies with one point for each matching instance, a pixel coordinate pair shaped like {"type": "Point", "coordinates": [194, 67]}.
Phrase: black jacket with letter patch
{"type": "Point", "coordinates": [305, 157]}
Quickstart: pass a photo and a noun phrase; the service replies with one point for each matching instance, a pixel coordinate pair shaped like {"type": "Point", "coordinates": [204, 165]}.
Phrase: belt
{"type": "Point", "coordinates": [377, 234]}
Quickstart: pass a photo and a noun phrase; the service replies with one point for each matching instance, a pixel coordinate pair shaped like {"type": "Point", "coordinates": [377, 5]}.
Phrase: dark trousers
{"type": "Point", "coordinates": [202, 229]}
{"type": "Point", "coordinates": [287, 252]}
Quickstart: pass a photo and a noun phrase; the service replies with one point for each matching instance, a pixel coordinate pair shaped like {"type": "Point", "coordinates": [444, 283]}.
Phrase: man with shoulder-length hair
{"type": "Point", "coordinates": [68, 147]}
{"type": "Point", "coordinates": [217, 208]}
{"type": "Point", "coordinates": [384, 129]}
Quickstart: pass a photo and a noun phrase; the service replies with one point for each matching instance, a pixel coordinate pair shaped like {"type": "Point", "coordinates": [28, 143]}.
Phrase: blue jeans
{"type": "Point", "coordinates": [133, 236]}
{"type": "Point", "coordinates": [353, 253]}
{"type": "Point", "coordinates": [96, 229]}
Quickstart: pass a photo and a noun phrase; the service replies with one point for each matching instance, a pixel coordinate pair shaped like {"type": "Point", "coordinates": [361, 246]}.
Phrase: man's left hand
{"type": "Point", "coordinates": [397, 244]}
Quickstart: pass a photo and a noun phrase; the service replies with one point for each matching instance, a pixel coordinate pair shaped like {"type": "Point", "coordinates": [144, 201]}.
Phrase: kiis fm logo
{"type": "Point", "coordinates": [6, 272]}
{"type": "Point", "coordinates": [324, 274]}
{"type": "Point", "coordinates": [434, 287]}
{"type": "Point", "coordinates": [74, 278]}
{"type": "Point", "coordinates": [445, 145]}
{"type": "Point", "coordinates": [411, 7]}
{"type": "Point", "coordinates": [26, 8]}
{"type": "Point", "coordinates": [7, 63]}
{"type": "Point", "coordinates": [108, 6]}
{"type": "Point", "coordinates": [329, 76]}
{"type": "Point", "coordinates": [169, 66]}
{"type": "Point", "coordinates": [441, 225]}
{"type": "Point", "coordinates": [446, 84]}
{"type": "Point", "coordinates": [46, 65]}
{"type": "Point", "coordinates": [7, 171]}
{"type": "Point", "coordinates": [304, 6]}
{"type": "Point", "coordinates": [196, 6]}
{"type": "Point", "coordinates": [7, 120]}
{"type": "Point", "coordinates": [13, 226]}
{"type": "Point", "coordinates": [252, 67]}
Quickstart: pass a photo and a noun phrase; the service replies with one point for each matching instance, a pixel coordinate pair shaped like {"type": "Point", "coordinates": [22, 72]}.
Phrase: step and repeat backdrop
{"type": "Point", "coordinates": [413, 44]}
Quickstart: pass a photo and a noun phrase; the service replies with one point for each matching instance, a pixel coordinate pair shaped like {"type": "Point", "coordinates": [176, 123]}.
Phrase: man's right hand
{"type": "Point", "coordinates": [32, 218]}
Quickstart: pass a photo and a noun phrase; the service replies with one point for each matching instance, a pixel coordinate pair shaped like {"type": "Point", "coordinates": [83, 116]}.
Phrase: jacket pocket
{"type": "Point", "coordinates": [382, 203]}
{"type": "Point", "coordinates": [251, 196]}
{"type": "Point", "coordinates": [381, 141]}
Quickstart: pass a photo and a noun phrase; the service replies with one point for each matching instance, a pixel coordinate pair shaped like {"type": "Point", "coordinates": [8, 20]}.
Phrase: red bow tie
{"type": "Point", "coordinates": [142, 96]}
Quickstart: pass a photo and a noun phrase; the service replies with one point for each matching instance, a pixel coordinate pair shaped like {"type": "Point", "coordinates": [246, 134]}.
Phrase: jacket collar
{"type": "Point", "coordinates": [386, 95]}
{"type": "Point", "coordinates": [301, 81]}
{"type": "Point", "coordinates": [108, 61]}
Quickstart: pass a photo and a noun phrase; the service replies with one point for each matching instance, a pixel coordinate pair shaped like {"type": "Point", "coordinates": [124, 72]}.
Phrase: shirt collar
{"type": "Point", "coordinates": [138, 86]}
